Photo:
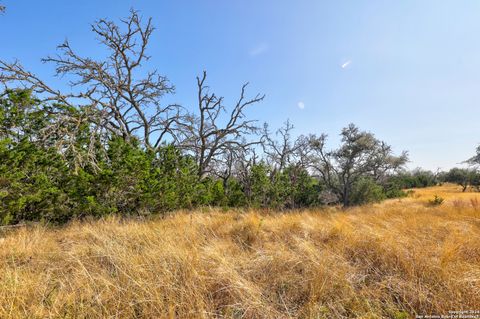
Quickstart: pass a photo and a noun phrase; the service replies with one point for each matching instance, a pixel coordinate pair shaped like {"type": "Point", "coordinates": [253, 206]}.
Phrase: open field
{"type": "Point", "coordinates": [394, 259]}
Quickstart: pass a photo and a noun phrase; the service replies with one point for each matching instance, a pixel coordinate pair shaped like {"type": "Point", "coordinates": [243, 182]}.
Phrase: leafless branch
{"type": "Point", "coordinates": [203, 133]}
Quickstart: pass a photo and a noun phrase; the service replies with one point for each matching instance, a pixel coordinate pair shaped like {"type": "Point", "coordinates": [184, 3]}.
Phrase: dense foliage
{"type": "Point", "coordinates": [463, 177]}
{"type": "Point", "coordinates": [41, 181]}
{"type": "Point", "coordinates": [417, 178]}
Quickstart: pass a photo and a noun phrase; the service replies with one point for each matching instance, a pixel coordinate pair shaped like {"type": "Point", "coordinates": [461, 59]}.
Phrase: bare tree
{"type": "Point", "coordinates": [282, 149]}
{"type": "Point", "coordinates": [234, 163]}
{"type": "Point", "coordinates": [225, 164]}
{"type": "Point", "coordinates": [288, 157]}
{"type": "Point", "coordinates": [243, 168]}
{"type": "Point", "coordinates": [278, 152]}
{"type": "Point", "coordinates": [208, 136]}
{"type": "Point", "coordinates": [123, 97]}
{"type": "Point", "coordinates": [360, 155]}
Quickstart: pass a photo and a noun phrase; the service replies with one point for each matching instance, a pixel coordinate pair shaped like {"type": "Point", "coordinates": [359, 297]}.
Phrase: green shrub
{"type": "Point", "coordinates": [436, 201]}
{"type": "Point", "coordinates": [366, 191]}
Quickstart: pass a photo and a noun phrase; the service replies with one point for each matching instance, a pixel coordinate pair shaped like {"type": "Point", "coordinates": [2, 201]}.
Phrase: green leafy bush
{"type": "Point", "coordinates": [436, 201]}
{"type": "Point", "coordinates": [366, 191]}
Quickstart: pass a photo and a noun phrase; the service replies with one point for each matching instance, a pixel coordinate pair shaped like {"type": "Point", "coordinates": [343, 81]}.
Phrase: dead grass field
{"type": "Point", "coordinates": [389, 260]}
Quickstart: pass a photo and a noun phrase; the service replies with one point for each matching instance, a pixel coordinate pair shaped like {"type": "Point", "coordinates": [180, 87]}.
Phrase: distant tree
{"type": "Point", "coordinates": [416, 178]}
{"type": "Point", "coordinates": [360, 156]}
{"type": "Point", "coordinates": [475, 180]}
{"type": "Point", "coordinates": [463, 177]}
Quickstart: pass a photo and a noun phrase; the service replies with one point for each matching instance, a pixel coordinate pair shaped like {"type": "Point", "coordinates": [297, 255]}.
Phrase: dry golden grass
{"type": "Point", "coordinates": [385, 260]}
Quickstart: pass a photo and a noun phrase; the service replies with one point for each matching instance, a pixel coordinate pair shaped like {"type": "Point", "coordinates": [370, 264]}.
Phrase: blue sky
{"type": "Point", "coordinates": [408, 71]}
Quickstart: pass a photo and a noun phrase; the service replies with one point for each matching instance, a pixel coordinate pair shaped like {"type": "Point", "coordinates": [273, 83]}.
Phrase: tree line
{"type": "Point", "coordinates": [110, 145]}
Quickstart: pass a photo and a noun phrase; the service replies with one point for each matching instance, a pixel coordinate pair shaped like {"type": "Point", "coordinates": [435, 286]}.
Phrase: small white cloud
{"type": "Point", "coordinates": [346, 64]}
{"type": "Point", "coordinates": [301, 105]}
{"type": "Point", "coordinates": [259, 49]}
